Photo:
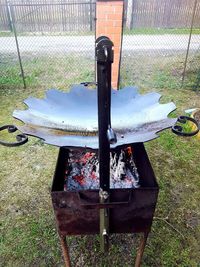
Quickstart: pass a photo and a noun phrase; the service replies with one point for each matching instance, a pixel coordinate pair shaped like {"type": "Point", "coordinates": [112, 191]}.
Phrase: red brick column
{"type": "Point", "coordinates": [109, 16]}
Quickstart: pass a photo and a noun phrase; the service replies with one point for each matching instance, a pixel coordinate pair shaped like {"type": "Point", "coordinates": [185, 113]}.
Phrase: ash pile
{"type": "Point", "coordinates": [82, 170]}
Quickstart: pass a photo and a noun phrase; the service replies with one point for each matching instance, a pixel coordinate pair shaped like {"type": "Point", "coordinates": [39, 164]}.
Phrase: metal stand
{"type": "Point", "coordinates": [104, 58]}
{"type": "Point", "coordinates": [138, 259]}
{"type": "Point", "coordinates": [141, 248]}
{"type": "Point", "coordinates": [65, 251]}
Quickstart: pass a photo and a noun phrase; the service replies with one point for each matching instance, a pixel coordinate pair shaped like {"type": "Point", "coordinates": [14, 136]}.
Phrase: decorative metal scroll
{"type": "Point", "coordinates": [178, 129]}
{"type": "Point", "coordinates": [20, 138]}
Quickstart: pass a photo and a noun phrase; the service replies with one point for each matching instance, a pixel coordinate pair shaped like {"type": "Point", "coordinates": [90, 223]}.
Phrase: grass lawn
{"type": "Point", "coordinates": [28, 234]}
{"type": "Point", "coordinates": [160, 31]}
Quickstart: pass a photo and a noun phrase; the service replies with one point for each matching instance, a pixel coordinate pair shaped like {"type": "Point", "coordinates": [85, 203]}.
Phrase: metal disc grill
{"type": "Point", "coordinates": [95, 152]}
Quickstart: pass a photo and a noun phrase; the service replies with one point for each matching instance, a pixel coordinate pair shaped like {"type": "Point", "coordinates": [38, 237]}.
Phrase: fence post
{"type": "Point", "coordinates": [132, 12]}
{"type": "Point", "coordinates": [11, 14]}
{"type": "Point", "coordinates": [91, 15]}
{"type": "Point", "coordinates": [189, 41]}
{"type": "Point", "coordinates": [8, 14]}
{"type": "Point", "coordinates": [129, 13]}
{"type": "Point", "coordinates": [62, 7]}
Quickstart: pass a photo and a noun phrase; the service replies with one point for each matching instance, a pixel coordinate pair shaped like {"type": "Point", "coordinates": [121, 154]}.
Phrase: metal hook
{"type": "Point", "coordinates": [178, 129]}
{"type": "Point", "coordinates": [21, 138]}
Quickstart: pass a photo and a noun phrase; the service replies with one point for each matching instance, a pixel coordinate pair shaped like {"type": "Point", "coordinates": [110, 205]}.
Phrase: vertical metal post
{"type": "Point", "coordinates": [63, 15]}
{"type": "Point", "coordinates": [9, 18]}
{"type": "Point", "coordinates": [131, 22]}
{"type": "Point", "coordinates": [189, 41]}
{"type": "Point", "coordinates": [104, 57]}
{"type": "Point", "coordinates": [141, 249]}
{"type": "Point", "coordinates": [11, 14]}
{"type": "Point", "coordinates": [122, 36]}
{"type": "Point", "coordinates": [91, 15]}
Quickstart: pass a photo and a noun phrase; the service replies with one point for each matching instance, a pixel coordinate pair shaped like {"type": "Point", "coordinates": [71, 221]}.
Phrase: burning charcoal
{"type": "Point", "coordinates": [83, 170]}
{"type": "Point", "coordinates": [120, 168]}
{"type": "Point", "coordinates": [79, 179]}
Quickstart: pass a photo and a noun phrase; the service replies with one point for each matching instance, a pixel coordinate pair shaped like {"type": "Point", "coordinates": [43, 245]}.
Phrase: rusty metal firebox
{"type": "Point", "coordinates": [109, 128]}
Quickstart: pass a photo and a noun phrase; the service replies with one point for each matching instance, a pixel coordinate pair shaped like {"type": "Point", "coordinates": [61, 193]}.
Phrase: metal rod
{"type": "Point", "coordinates": [104, 58]}
{"type": "Point", "coordinates": [141, 249]}
{"type": "Point", "coordinates": [104, 229]}
{"type": "Point", "coordinates": [189, 41]}
{"type": "Point", "coordinates": [10, 10]}
{"type": "Point", "coordinates": [65, 251]}
{"type": "Point", "coordinates": [104, 146]}
{"type": "Point", "coordinates": [120, 56]}
{"type": "Point", "coordinates": [104, 51]}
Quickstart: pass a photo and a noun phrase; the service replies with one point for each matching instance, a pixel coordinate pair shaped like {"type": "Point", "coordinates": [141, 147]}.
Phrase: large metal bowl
{"type": "Point", "coordinates": [70, 118]}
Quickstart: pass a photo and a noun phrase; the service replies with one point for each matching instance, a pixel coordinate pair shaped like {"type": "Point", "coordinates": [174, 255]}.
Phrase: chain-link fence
{"type": "Point", "coordinates": [55, 40]}
{"type": "Point", "coordinates": [56, 43]}
{"type": "Point", "coordinates": [157, 49]}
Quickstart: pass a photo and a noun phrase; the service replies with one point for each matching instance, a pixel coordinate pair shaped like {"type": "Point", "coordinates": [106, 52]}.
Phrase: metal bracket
{"type": "Point", "coordinates": [88, 202]}
{"type": "Point", "coordinates": [178, 129]}
{"type": "Point", "coordinates": [89, 83]}
{"type": "Point", "coordinates": [21, 138]}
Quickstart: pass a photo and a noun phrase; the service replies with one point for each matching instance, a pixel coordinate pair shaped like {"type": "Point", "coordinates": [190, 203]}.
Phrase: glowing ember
{"type": "Point", "coordinates": [83, 170]}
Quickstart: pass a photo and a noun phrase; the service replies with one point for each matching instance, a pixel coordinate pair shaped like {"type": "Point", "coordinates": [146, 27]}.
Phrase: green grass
{"type": "Point", "coordinates": [160, 71]}
{"type": "Point", "coordinates": [153, 31]}
{"type": "Point", "coordinates": [28, 235]}
{"type": "Point", "coordinates": [72, 33]}
{"type": "Point", "coordinates": [127, 31]}
{"type": "Point", "coordinates": [6, 34]}
{"type": "Point", "coordinates": [45, 71]}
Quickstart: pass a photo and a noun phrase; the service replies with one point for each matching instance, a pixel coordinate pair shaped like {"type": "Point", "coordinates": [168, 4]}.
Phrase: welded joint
{"type": "Point", "coordinates": [104, 195]}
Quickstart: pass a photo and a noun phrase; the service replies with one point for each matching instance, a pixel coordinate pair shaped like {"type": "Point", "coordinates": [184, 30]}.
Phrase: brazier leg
{"type": "Point", "coordinates": [65, 251]}
{"type": "Point", "coordinates": [141, 249]}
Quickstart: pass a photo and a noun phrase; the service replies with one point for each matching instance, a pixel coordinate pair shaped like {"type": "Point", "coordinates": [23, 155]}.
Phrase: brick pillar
{"type": "Point", "coordinates": [109, 16]}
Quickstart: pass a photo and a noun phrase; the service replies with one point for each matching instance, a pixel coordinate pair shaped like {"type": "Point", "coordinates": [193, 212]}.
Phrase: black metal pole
{"type": "Point", "coordinates": [104, 58]}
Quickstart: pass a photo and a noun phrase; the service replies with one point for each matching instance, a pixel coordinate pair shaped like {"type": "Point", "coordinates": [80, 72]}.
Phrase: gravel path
{"type": "Point", "coordinates": [68, 44]}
